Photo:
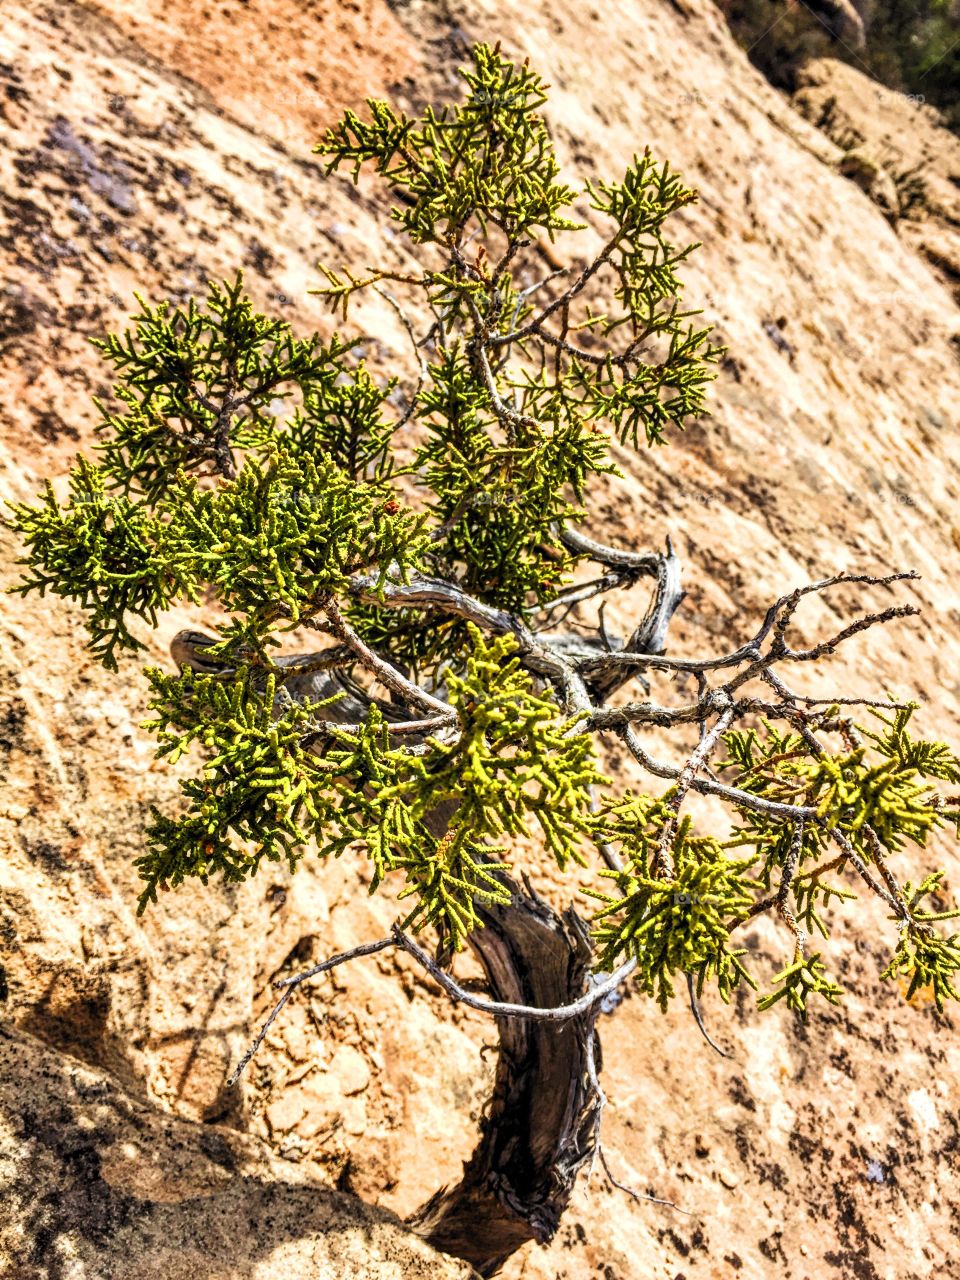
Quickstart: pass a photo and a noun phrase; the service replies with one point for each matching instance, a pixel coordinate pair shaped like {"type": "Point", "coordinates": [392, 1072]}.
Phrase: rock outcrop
{"type": "Point", "coordinates": [132, 159]}
{"type": "Point", "coordinates": [904, 143]}
{"type": "Point", "coordinates": [98, 1184]}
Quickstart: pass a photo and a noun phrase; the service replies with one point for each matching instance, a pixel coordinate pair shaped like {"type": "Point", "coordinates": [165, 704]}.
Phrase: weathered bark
{"type": "Point", "coordinates": [540, 1125]}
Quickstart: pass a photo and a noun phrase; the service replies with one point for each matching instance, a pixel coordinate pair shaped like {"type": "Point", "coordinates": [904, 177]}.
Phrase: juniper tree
{"type": "Point", "coordinates": [454, 688]}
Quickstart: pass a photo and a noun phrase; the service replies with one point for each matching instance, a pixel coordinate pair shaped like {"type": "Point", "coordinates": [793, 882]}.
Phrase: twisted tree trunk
{"type": "Point", "coordinates": [540, 1124]}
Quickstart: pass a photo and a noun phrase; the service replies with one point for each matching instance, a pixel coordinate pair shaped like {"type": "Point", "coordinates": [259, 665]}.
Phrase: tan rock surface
{"type": "Point", "coordinates": [828, 1150]}
{"type": "Point", "coordinates": [97, 1184]}
{"type": "Point", "coordinates": [903, 134]}
{"type": "Point", "coordinates": [318, 55]}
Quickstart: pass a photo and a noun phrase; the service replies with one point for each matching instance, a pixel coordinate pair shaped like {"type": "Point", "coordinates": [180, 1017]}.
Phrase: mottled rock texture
{"type": "Point", "coordinates": [99, 1184]}
{"type": "Point", "coordinates": [903, 137]}
{"type": "Point", "coordinates": [151, 147]}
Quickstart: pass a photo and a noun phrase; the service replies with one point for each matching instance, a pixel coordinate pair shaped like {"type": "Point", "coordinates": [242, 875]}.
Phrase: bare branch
{"type": "Point", "coordinates": [748, 652]}
{"type": "Point", "coordinates": [421, 363]}
{"type": "Point", "coordinates": [641, 562]}
{"type": "Point", "coordinates": [698, 1018]}
{"type": "Point", "coordinates": [586, 591]}
{"type": "Point", "coordinates": [869, 620]}
{"type": "Point", "coordinates": [662, 861]}
{"type": "Point", "coordinates": [422, 592]}
{"type": "Point", "coordinates": [786, 881]}
{"type": "Point", "coordinates": [564, 300]}
{"type": "Point", "coordinates": [291, 984]}
{"type": "Point", "coordinates": [639, 1196]}
{"type": "Point", "coordinates": [385, 673]}
{"type": "Point", "coordinates": [427, 727]}
{"type": "Point", "coordinates": [647, 713]}
{"type": "Point", "coordinates": [500, 1009]}
{"type": "Point", "coordinates": [900, 908]}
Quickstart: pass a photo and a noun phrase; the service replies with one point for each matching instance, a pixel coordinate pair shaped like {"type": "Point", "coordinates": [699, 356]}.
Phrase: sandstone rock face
{"type": "Point", "coordinates": [841, 19]}
{"type": "Point", "coordinates": [900, 136]}
{"type": "Point", "coordinates": [870, 176]}
{"type": "Point", "coordinates": [131, 158]}
{"type": "Point", "coordinates": [97, 1184]}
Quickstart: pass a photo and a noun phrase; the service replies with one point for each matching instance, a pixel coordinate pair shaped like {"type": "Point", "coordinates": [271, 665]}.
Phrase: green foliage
{"type": "Point", "coordinates": [265, 792]}
{"type": "Point", "coordinates": [289, 532]}
{"type": "Point", "coordinates": [506, 447]}
{"type": "Point", "coordinates": [803, 978]}
{"type": "Point", "coordinates": [877, 798]}
{"type": "Point", "coordinates": [664, 393]}
{"type": "Point", "coordinates": [145, 527]}
{"type": "Point", "coordinates": [263, 474]}
{"type": "Point", "coordinates": [916, 48]}
{"type": "Point", "coordinates": [500, 505]}
{"type": "Point", "coordinates": [926, 759]}
{"type": "Point", "coordinates": [677, 903]}
{"type": "Point", "coordinates": [678, 900]}
{"type": "Point", "coordinates": [489, 157]}
{"type": "Point", "coordinates": [196, 381]}
{"type": "Point", "coordinates": [112, 556]}
{"type": "Point", "coordinates": [862, 792]}
{"type": "Point", "coordinates": [259, 783]}
{"type": "Point", "coordinates": [512, 760]}
{"type": "Point", "coordinates": [670, 921]}
{"type": "Point", "coordinates": [655, 398]}
{"type": "Point", "coordinates": [271, 544]}
{"type": "Point", "coordinates": [343, 420]}
{"type": "Point", "coordinates": [928, 960]}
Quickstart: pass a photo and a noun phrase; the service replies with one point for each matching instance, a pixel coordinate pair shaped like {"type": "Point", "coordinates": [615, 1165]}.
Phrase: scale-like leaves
{"type": "Point", "coordinates": [489, 157]}
{"type": "Point", "coordinates": [261, 473]}
{"type": "Point", "coordinates": [113, 557]}
{"type": "Point", "coordinates": [671, 920]}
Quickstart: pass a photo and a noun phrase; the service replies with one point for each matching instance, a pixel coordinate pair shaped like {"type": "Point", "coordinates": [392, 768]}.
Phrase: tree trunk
{"type": "Point", "coordinates": [540, 1124]}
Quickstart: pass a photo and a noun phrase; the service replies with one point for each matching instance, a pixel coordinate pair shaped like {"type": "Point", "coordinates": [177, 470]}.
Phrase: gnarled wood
{"type": "Point", "coordinates": [540, 1125]}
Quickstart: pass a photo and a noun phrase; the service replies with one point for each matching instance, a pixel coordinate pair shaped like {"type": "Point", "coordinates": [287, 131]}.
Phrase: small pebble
{"type": "Point", "coordinates": [350, 1068]}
